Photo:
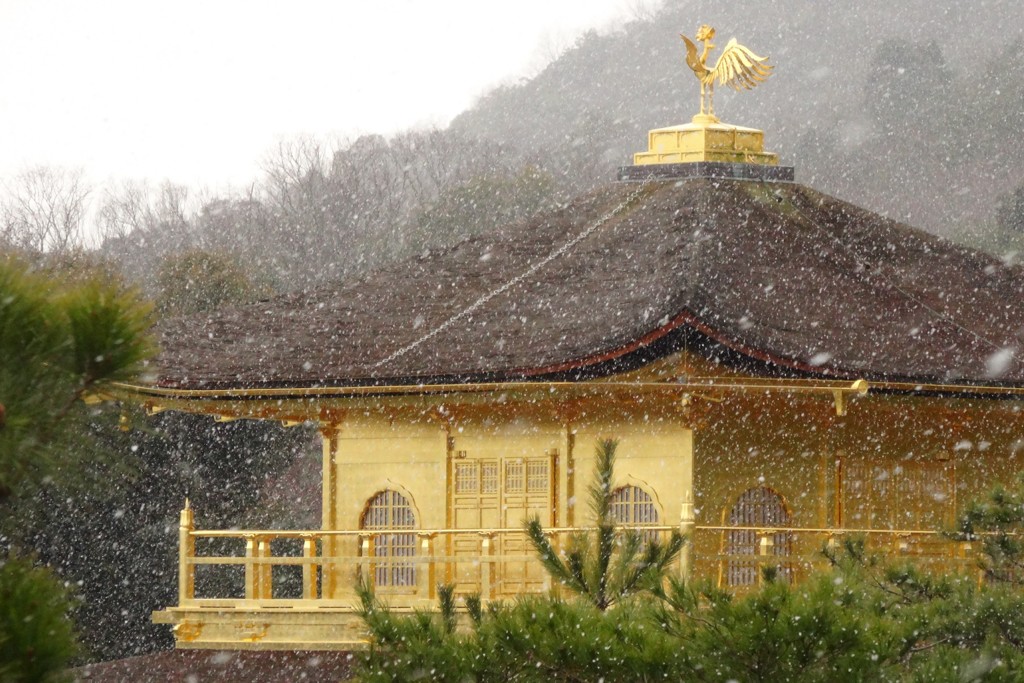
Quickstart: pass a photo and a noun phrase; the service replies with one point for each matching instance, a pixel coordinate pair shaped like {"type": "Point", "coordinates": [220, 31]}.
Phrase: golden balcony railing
{"type": "Point", "coordinates": [496, 563]}
{"type": "Point", "coordinates": [797, 551]}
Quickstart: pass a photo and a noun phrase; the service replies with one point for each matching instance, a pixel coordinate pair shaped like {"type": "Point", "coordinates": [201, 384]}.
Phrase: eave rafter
{"type": "Point", "coordinates": [296, 405]}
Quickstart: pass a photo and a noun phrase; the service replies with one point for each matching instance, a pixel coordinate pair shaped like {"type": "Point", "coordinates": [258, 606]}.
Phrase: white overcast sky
{"type": "Point", "coordinates": [198, 91]}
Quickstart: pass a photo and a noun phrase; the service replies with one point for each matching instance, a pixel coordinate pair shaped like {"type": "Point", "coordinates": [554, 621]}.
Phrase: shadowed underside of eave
{"type": "Point", "coordinates": [777, 278]}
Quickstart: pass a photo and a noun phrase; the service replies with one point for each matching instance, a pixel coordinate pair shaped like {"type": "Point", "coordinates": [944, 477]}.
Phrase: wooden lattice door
{"type": "Point", "coordinates": [499, 493]}
{"type": "Point", "coordinates": [526, 494]}
{"type": "Point", "coordinates": [475, 503]}
{"type": "Point", "coordinates": [903, 496]}
{"type": "Point", "coordinates": [910, 494]}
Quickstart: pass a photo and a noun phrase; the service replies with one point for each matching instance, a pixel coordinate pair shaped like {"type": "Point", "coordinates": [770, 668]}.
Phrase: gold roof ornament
{"type": "Point", "coordinates": [737, 66]}
{"type": "Point", "coordinates": [733, 151]}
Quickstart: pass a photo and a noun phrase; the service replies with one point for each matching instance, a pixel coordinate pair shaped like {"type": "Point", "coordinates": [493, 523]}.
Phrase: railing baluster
{"type": "Point", "coordinates": [423, 560]}
{"type": "Point", "coordinates": [765, 548]}
{"type": "Point", "coordinates": [364, 559]}
{"type": "Point", "coordinates": [486, 569]}
{"type": "Point", "coordinates": [251, 574]}
{"type": "Point", "coordinates": [310, 589]}
{"type": "Point", "coordinates": [426, 572]}
{"type": "Point", "coordinates": [266, 570]}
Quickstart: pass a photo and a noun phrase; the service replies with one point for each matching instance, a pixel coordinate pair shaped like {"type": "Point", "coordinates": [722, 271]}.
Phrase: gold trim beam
{"type": "Point", "coordinates": [859, 387]}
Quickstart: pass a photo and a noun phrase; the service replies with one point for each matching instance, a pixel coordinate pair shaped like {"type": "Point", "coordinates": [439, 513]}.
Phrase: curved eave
{"type": "Point", "coordinates": [592, 374]}
{"type": "Point", "coordinates": [890, 383]}
{"type": "Point", "coordinates": [679, 323]}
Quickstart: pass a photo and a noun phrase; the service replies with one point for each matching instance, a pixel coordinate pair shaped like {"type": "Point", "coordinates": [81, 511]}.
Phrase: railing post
{"type": "Point", "coordinates": [265, 570]}
{"type": "Point", "coordinates": [765, 547]}
{"type": "Point", "coordinates": [486, 566]}
{"type": "Point", "coordinates": [364, 559]}
{"type": "Point", "coordinates": [310, 587]}
{"type": "Point", "coordinates": [252, 576]}
{"type": "Point", "coordinates": [687, 526]}
{"type": "Point", "coordinates": [833, 543]}
{"type": "Point", "coordinates": [186, 551]}
{"type": "Point", "coordinates": [426, 568]}
{"type": "Point", "coordinates": [966, 552]}
{"type": "Point", "coordinates": [556, 545]}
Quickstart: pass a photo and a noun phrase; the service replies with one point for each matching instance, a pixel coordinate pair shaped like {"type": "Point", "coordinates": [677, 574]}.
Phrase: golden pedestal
{"type": "Point", "coordinates": [705, 139]}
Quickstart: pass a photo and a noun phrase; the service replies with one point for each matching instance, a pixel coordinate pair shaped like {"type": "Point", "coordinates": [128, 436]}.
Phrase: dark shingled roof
{"type": "Point", "coordinates": [774, 276]}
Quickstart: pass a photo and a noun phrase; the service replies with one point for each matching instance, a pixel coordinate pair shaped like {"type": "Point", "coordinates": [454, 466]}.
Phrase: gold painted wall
{"type": "Point", "coordinates": [891, 463]}
{"type": "Point", "coordinates": [900, 463]}
{"type": "Point", "coordinates": [539, 463]}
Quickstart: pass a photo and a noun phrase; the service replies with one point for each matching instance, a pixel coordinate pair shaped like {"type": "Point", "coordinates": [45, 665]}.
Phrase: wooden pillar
{"type": "Point", "coordinates": [365, 569]}
{"type": "Point", "coordinates": [329, 433]}
{"type": "Point", "coordinates": [765, 548]}
{"type": "Point", "coordinates": [554, 476]}
{"type": "Point", "coordinates": [568, 447]}
{"type": "Point", "coordinates": [449, 500]}
{"type": "Point", "coordinates": [824, 461]}
{"type": "Point", "coordinates": [687, 519]}
{"type": "Point", "coordinates": [687, 527]}
{"type": "Point", "coordinates": [329, 517]}
{"type": "Point", "coordinates": [691, 417]}
{"type": "Point", "coordinates": [186, 551]}
{"type": "Point", "coordinates": [830, 431]}
{"type": "Point", "coordinates": [837, 488]}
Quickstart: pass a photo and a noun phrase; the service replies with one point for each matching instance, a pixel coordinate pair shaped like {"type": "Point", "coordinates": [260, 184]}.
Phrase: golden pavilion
{"type": "Point", "coordinates": [780, 368]}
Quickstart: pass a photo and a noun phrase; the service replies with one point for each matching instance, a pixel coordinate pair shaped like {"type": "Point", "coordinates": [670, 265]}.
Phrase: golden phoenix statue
{"type": "Point", "coordinates": [737, 67]}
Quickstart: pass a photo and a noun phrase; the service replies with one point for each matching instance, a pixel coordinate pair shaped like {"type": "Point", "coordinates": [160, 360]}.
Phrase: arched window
{"type": "Point", "coordinates": [758, 507]}
{"type": "Point", "coordinates": [634, 506]}
{"type": "Point", "coordinates": [392, 566]}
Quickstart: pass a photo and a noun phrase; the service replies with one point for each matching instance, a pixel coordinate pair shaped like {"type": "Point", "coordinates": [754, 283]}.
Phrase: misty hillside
{"type": "Point", "coordinates": [909, 109]}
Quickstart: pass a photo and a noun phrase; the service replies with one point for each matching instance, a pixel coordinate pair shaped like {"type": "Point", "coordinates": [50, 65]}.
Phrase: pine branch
{"type": "Point", "coordinates": [646, 572]}
{"type": "Point", "coordinates": [560, 571]}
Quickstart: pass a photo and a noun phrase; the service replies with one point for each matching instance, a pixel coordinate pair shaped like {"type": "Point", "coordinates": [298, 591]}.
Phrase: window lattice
{"type": "Point", "coordinates": [467, 477]}
{"type": "Point", "coordinates": [514, 476]}
{"type": "Point", "coordinates": [537, 476]}
{"type": "Point", "coordinates": [392, 552]}
{"type": "Point", "coordinates": [633, 505]}
{"type": "Point", "coordinates": [489, 478]}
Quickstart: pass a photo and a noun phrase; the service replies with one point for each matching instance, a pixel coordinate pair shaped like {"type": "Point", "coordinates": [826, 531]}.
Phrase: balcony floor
{"type": "Point", "coordinates": [210, 627]}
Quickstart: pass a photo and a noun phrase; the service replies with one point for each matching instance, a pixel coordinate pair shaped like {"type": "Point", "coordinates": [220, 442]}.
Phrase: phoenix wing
{"type": "Point", "coordinates": [692, 60]}
{"type": "Point", "coordinates": [738, 67]}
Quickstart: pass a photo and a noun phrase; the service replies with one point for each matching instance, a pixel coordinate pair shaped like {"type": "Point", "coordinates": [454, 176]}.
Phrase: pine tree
{"type": "Point", "coordinates": [36, 635]}
{"type": "Point", "coordinates": [609, 564]}
{"type": "Point", "coordinates": [997, 523]}
{"type": "Point", "coordinates": [865, 618]}
{"type": "Point", "coordinates": [59, 345]}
